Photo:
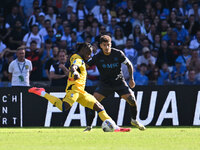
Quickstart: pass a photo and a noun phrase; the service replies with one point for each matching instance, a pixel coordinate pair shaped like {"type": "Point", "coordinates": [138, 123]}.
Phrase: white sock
{"type": "Point", "coordinates": [43, 93]}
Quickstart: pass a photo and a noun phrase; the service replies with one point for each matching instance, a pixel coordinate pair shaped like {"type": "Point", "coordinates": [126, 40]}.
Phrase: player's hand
{"type": "Point", "coordinates": [132, 83]}
{"type": "Point", "coordinates": [76, 75]}
{"type": "Point", "coordinates": [61, 66]}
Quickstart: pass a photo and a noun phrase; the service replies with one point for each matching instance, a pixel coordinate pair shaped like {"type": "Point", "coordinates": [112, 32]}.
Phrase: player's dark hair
{"type": "Point", "coordinates": [191, 69]}
{"type": "Point", "coordinates": [34, 25]}
{"type": "Point", "coordinates": [23, 47]}
{"type": "Point", "coordinates": [33, 42]}
{"type": "Point", "coordinates": [143, 65]}
{"type": "Point", "coordinates": [37, 8]}
{"type": "Point", "coordinates": [62, 50]}
{"type": "Point", "coordinates": [84, 45]}
{"type": "Point", "coordinates": [47, 20]}
{"type": "Point", "coordinates": [105, 38]}
{"type": "Point", "coordinates": [129, 40]}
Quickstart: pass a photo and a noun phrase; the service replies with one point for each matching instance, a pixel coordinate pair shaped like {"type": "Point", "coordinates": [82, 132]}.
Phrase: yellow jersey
{"type": "Point", "coordinates": [78, 84]}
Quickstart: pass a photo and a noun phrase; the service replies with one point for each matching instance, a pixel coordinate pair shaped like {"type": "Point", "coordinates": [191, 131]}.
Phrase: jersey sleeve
{"type": "Point", "coordinates": [78, 62]}
{"type": "Point", "coordinates": [30, 66]}
{"type": "Point", "coordinates": [10, 68]}
{"type": "Point", "coordinates": [122, 57]}
{"type": "Point", "coordinates": [92, 61]}
{"type": "Point", "coordinates": [25, 38]}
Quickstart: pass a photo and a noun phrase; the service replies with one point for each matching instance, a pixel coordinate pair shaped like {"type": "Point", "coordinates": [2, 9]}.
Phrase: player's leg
{"type": "Point", "coordinates": [130, 99]}
{"type": "Point", "coordinates": [69, 99]}
{"type": "Point", "coordinates": [126, 93]}
{"type": "Point", "coordinates": [87, 100]}
{"type": "Point", "coordinates": [100, 93]}
{"type": "Point", "coordinates": [91, 113]}
{"type": "Point", "coordinates": [54, 100]}
{"type": "Point", "coordinates": [104, 116]}
{"type": "Point", "coordinates": [101, 111]}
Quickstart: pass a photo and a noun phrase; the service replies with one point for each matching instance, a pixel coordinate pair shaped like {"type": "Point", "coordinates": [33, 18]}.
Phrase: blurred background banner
{"type": "Point", "coordinates": [157, 106]}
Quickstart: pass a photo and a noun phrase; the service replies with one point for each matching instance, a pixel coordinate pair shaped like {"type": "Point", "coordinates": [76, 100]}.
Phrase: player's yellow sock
{"type": "Point", "coordinates": [54, 100]}
{"type": "Point", "coordinates": [103, 115]}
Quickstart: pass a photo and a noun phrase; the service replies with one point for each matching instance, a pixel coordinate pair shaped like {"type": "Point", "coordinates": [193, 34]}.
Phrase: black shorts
{"type": "Point", "coordinates": [120, 89]}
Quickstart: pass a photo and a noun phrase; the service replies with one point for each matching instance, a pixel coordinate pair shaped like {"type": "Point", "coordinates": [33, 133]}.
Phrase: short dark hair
{"type": "Point", "coordinates": [143, 65]}
{"type": "Point", "coordinates": [191, 69]}
{"type": "Point", "coordinates": [129, 39]}
{"type": "Point", "coordinates": [33, 42]}
{"type": "Point", "coordinates": [23, 47]}
{"type": "Point", "coordinates": [34, 25]}
{"type": "Point", "coordinates": [62, 50]}
{"type": "Point", "coordinates": [105, 38]}
{"type": "Point", "coordinates": [47, 20]}
{"type": "Point", "coordinates": [18, 21]}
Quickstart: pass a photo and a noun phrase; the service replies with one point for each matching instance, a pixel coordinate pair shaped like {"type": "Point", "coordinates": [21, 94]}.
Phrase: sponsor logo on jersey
{"type": "Point", "coordinates": [110, 66]}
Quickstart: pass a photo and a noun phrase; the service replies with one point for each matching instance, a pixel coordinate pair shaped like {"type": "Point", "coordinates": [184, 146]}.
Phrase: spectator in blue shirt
{"type": "Point", "coordinates": [46, 55]}
{"type": "Point", "coordinates": [184, 56]}
{"type": "Point", "coordinates": [26, 8]}
{"type": "Point", "coordinates": [191, 80]}
{"type": "Point", "coordinates": [50, 35]}
{"type": "Point", "coordinates": [140, 77]}
{"type": "Point", "coordinates": [167, 36]}
{"type": "Point", "coordinates": [161, 11]}
{"type": "Point", "coordinates": [154, 75]}
{"type": "Point", "coordinates": [182, 33]}
{"type": "Point", "coordinates": [165, 75]}
{"type": "Point", "coordinates": [178, 73]}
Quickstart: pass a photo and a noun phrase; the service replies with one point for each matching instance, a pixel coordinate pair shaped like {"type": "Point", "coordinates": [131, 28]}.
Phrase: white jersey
{"type": "Point", "coordinates": [29, 37]}
{"type": "Point", "coordinates": [142, 59]}
{"type": "Point", "coordinates": [20, 72]}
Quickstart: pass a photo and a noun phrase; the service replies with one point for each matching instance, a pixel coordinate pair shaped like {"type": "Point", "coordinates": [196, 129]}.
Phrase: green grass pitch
{"type": "Point", "coordinates": [154, 138]}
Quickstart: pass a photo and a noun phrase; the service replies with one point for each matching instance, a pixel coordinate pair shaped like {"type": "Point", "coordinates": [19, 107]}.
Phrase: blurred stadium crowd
{"type": "Point", "coordinates": [160, 37]}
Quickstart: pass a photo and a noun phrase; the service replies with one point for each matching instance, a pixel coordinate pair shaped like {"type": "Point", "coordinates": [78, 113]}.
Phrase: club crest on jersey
{"type": "Point", "coordinates": [115, 59]}
{"type": "Point", "coordinates": [74, 61]}
{"type": "Point", "coordinates": [26, 66]}
{"type": "Point", "coordinates": [72, 95]}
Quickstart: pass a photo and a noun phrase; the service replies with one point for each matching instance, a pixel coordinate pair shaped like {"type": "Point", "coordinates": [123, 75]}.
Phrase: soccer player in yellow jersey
{"type": "Point", "coordinates": [75, 90]}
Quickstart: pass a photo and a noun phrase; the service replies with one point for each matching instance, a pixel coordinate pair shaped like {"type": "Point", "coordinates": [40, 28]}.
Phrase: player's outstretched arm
{"type": "Point", "coordinates": [75, 72]}
{"type": "Point", "coordinates": [130, 70]}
